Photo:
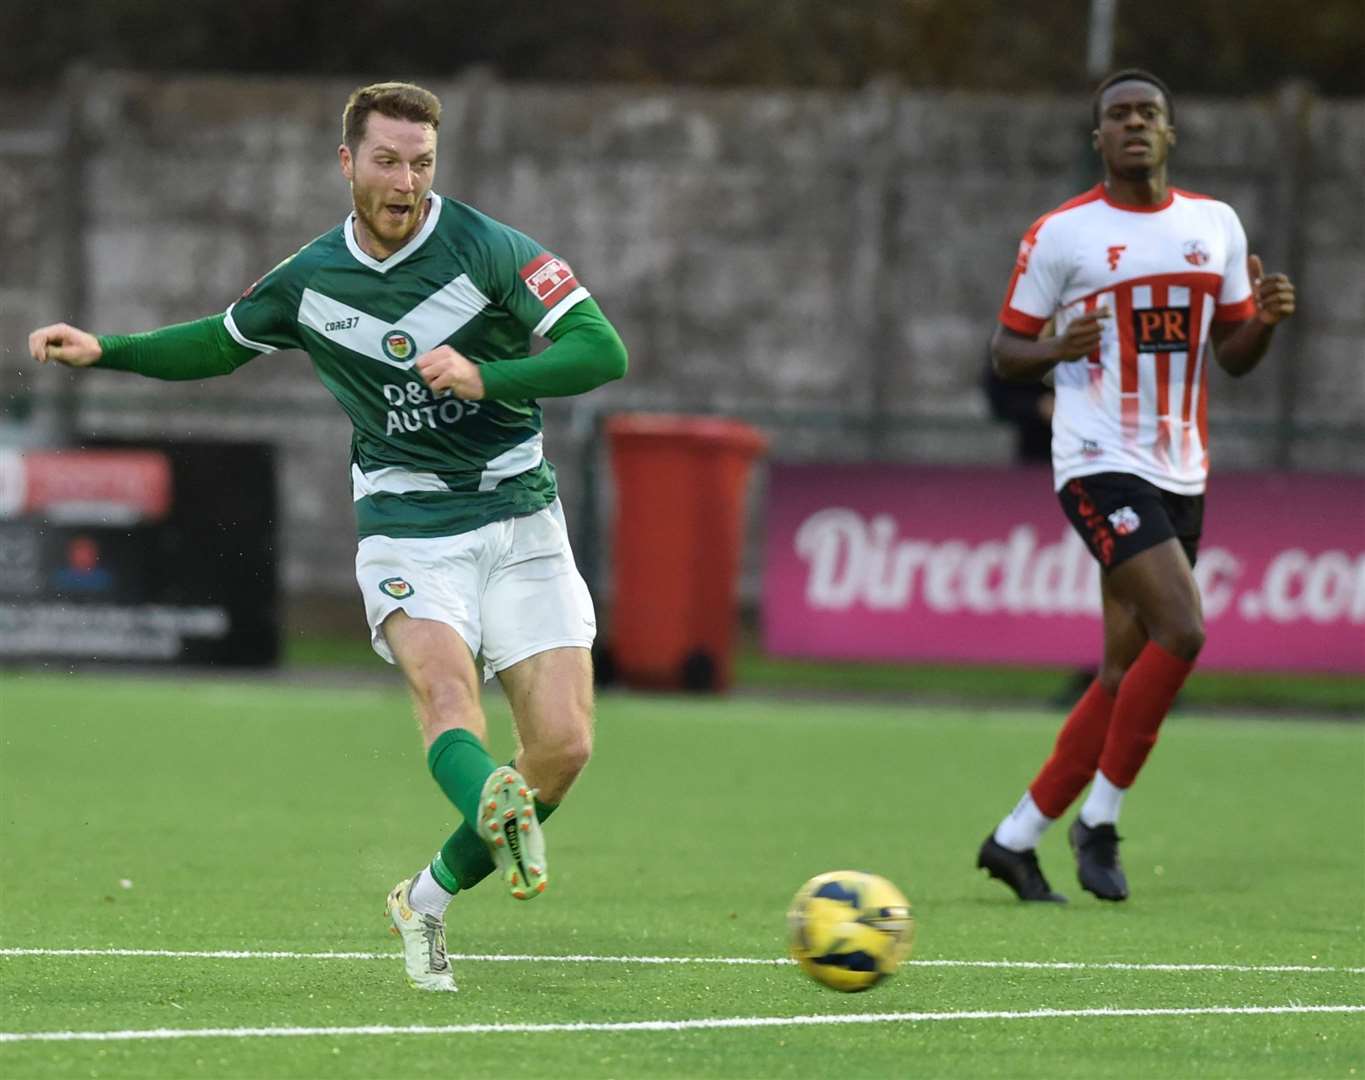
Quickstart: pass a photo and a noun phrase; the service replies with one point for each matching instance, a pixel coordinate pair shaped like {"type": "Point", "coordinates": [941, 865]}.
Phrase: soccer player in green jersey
{"type": "Point", "coordinates": [417, 312]}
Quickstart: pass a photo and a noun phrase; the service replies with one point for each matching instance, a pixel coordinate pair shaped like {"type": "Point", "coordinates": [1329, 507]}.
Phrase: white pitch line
{"type": "Point", "coordinates": [1067, 965]}
{"type": "Point", "coordinates": [530, 958]}
{"type": "Point", "coordinates": [659, 1025]}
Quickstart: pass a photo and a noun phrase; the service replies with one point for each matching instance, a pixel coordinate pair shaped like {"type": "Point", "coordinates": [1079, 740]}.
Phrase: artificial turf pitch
{"type": "Point", "coordinates": [256, 817]}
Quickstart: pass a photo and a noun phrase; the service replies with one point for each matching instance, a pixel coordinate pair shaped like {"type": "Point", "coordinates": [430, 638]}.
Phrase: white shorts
{"type": "Point", "coordinates": [510, 589]}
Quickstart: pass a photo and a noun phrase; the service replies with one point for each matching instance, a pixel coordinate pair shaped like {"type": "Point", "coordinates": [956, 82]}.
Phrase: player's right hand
{"type": "Point", "coordinates": [65, 344]}
{"type": "Point", "coordinates": [1082, 335]}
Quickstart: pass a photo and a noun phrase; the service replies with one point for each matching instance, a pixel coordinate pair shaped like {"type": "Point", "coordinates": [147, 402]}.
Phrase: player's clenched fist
{"type": "Point", "coordinates": [1082, 335]}
{"type": "Point", "coordinates": [1274, 294]}
{"type": "Point", "coordinates": [445, 369]}
{"type": "Point", "coordinates": [65, 344]}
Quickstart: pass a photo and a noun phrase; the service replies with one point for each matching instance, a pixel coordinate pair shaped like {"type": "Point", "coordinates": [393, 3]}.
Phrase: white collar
{"type": "Point", "coordinates": [419, 238]}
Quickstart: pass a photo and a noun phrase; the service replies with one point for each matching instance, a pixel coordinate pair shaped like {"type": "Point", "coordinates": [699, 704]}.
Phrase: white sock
{"type": "Point", "coordinates": [1023, 827]}
{"type": "Point", "coordinates": [427, 896]}
{"type": "Point", "coordinates": [1103, 804]}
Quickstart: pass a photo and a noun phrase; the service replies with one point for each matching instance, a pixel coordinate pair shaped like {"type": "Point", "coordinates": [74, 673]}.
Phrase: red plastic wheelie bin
{"type": "Point", "coordinates": [677, 534]}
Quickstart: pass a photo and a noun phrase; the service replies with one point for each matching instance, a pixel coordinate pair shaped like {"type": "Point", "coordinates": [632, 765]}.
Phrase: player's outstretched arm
{"type": "Point", "coordinates": [1239, 347]}
{"type": "Point", "coordinates": [64, 344]}
{"type": "Point", "coordinates": [193, 350]}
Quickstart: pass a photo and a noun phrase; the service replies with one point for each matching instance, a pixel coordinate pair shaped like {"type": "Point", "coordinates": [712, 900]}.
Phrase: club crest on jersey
{"type": "Point", "coordinates": [398, 345]}
{"type": "Point", "coordinates": [1196, 253]}
{"type": "Point", "coordinates": [1125, 520]}
{"type": "Point", "coordinates": [396, 587]}
{"type": "Point", "coordinates": [549, 278]}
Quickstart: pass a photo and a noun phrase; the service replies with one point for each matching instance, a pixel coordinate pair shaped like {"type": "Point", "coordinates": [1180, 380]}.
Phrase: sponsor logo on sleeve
{"type": "Point", "coordinates": [1196, 252]}
{"type": "Point", "coordinates": [1021, 263]}
{"type": "Point", "coordinates": [1115, 253]}
{"type": "Point", "coordinates": [549, 278]}
{"type": "Point", "coordinates": [396, 587]}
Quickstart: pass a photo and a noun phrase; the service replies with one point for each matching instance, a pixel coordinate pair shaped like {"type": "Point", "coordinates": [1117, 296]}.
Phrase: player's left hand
{"type": "Point", "coordinates": [445, 369]}
{"type": "Point", "coordinates": [1274, 294]}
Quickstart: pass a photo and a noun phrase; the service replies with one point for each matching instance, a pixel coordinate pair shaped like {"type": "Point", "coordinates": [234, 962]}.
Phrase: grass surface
{"type": "Point", "coordinates": [143, 813]}
{"type": "Point", "coordinates": [1328, 695]}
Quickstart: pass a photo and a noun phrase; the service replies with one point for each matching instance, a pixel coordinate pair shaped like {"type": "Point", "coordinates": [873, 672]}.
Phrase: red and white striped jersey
{"type": "Point", "coordinates": [1166, 273]}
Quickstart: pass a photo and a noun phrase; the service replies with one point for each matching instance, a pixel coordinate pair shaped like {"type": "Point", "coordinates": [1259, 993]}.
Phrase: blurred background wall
{"type": "Point", "coordinates": [824, 255]}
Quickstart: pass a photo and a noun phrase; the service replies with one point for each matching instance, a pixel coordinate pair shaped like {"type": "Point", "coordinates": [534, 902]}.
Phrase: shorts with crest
{"type": "Point", "coordinates": [510, 589]}
{"type": "Point", "coordinates": [1120, 515]}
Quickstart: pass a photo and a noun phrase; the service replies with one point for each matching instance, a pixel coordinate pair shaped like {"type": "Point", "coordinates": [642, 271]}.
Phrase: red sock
{"type": "Point", "coordinates": [1075, 754]}
{"type": "Point", "coordinates": [1144, 698]}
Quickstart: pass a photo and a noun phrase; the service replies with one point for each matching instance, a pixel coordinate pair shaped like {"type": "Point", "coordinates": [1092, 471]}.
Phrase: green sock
{"type": "Point", "coordinates": [460, 765]}
{"type": "Point", "coordinates": [443, 876]}
{"type": "Point", "coordinates": [464, 860]}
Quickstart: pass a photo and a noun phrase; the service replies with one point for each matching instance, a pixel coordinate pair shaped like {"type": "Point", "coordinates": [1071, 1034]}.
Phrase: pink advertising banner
{"type": "Point", "coordinates": [887, 562]}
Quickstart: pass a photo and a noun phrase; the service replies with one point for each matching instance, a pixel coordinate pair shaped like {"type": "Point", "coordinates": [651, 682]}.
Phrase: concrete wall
{"type": "Point", "coordinates": [829, 264]}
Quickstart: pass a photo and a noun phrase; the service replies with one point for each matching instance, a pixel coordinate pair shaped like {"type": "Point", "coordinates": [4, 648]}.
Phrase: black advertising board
{"type": "Point", "coordinates": [139, 553]}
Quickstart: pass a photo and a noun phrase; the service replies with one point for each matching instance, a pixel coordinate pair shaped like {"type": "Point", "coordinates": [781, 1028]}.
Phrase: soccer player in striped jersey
{"type": "Point", "coordinates": [417, 312]}
{"type": "Point", "coordinates": [1146, 284]}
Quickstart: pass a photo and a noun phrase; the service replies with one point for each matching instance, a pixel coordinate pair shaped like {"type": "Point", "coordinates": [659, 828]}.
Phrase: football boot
{"type": "Point", "coordinates": [1017, 869]}
{"type": "Point", "coordinates": [509, 826]}
{"type": "Point", "coordinates": [424, 941]}
{"type": "Point", "coordinates": [1097, 860]}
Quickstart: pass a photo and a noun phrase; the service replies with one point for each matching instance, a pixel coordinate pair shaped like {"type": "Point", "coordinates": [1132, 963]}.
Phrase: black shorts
{"type": "Point", "coordinates": [1119, 515]}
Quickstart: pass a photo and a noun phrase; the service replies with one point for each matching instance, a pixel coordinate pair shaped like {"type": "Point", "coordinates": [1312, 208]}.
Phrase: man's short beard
{"type": "Point", "coordinates": [371, 223]}
{"type": "Point", "coordinates": [366, 221]}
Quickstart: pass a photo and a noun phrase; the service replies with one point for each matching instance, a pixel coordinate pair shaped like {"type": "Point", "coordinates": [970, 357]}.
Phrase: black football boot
{"type": "Point", "coordinates": [1097, 860]}
{"type": "Point", "coordinates": [1017, 869]}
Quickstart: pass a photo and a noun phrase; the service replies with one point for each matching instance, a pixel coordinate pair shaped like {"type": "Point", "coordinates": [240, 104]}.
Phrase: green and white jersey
{"type": "Point", "coordinates": [421, 464]}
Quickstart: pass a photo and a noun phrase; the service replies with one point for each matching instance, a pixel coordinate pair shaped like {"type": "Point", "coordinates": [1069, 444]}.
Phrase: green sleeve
{"type": "Point", "coordinates": [586, 352]}
{"type": "Point", "coordinates": [192, 350]}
